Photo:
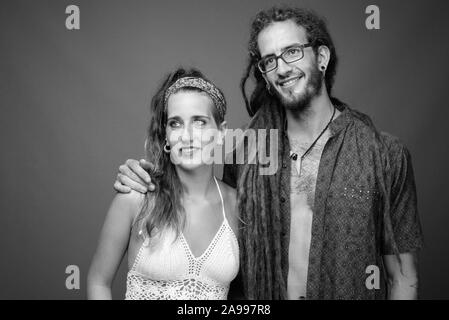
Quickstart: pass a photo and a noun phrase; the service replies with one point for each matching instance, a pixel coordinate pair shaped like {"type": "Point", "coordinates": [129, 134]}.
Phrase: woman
{"type": "Point", "coordinates": [180, 239]}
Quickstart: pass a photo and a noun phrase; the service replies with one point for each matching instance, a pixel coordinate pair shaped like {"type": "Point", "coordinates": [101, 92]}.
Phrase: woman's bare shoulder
{"type": "Point", "coordinates": [132, 199]}
{"type": "Point", "coordinates": [128, 204]}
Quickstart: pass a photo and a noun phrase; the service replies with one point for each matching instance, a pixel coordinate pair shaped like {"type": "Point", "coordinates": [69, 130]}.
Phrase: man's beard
{"type": "Point", "coordinates": [312, 88]}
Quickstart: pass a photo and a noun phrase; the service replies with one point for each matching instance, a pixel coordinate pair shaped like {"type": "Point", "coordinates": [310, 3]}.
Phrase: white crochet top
{"type": "Point", "coordinates": [164, 269]}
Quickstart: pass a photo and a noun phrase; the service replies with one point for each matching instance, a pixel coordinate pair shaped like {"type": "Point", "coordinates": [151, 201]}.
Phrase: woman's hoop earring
{"type": "Point", "coordinates": [166, 147]}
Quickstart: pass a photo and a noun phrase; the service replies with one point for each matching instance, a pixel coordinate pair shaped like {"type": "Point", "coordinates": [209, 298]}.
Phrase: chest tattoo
{"type": "Point", "coordinates": [304, 184]}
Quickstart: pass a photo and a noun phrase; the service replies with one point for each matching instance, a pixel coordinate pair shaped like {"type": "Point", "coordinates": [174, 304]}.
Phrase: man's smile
{"type": "Point", "coordinates": [290, 81]}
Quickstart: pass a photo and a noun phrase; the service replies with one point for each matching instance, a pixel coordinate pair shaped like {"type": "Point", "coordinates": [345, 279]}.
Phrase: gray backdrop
{"type": "Point", "coordinates": [74, 107]}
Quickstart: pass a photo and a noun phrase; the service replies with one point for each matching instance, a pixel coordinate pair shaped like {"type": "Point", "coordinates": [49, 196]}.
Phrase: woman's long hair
{"type": "Point", "coordinates": [162, 208]}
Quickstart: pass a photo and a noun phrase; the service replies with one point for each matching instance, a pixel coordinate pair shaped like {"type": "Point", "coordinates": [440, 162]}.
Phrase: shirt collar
{"type": "Point", "coordinates": [337, 124]}
{"type": "Point", "coordinates": [342, 120]}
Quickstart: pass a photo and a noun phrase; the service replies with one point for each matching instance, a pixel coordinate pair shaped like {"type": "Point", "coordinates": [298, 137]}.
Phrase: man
{"type": "Point", "coordinates": [339, 219]}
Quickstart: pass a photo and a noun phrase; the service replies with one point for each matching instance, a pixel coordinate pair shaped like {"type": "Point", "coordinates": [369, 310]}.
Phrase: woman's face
{"type": "Point", "coordinates": [191, 129]}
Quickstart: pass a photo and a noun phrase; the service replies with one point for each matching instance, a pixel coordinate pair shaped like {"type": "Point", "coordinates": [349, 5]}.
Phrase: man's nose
{"type": "Point", "coordinates": [283, 67]}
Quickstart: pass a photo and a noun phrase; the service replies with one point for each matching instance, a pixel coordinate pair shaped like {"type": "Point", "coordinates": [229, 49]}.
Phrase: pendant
{"type": "Point", "coordinates": [297, 161]}
{"type": "Point", "coordinates": [298, 164]}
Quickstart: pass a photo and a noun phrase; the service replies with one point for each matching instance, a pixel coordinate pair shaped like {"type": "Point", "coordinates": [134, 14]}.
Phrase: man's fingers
{"type": "Point", "coordinates": [125, 170]}
{"type": "Point", "coordinates": [121, 188]}
{"type": "Point", "coordinates": [146, 164]}
{"type": "Point", "coordinates": [131, 183]}
{"type": "Point", "coordinates": [138, 170]}
{"type": "Point", "coordinates": [150, 167]}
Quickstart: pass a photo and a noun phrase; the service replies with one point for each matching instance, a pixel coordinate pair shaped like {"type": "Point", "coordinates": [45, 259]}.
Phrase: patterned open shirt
{"type": "Point", "coordinates": [365, 184]}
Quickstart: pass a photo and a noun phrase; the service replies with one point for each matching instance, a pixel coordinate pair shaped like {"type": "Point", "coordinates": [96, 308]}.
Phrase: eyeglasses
{"type": "Point", "coordinates": [289, 55]}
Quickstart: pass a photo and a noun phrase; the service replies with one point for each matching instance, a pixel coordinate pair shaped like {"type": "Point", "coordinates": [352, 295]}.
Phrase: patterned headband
{"type": "Point", "coordinates": [201, 84]}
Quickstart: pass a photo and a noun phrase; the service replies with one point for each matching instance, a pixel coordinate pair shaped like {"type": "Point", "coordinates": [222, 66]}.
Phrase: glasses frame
{"type": "Point", "coordinates": [300, 46]}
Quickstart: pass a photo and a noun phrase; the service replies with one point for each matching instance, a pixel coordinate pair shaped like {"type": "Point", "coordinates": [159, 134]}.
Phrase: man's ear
{"type": "Point", "coordinates": [323, 56]}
